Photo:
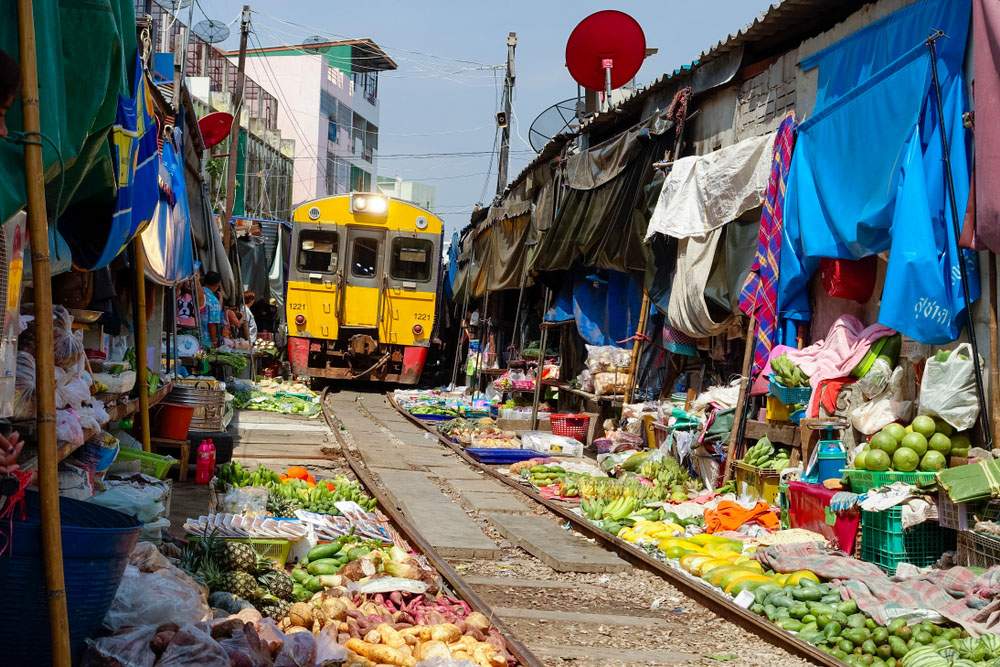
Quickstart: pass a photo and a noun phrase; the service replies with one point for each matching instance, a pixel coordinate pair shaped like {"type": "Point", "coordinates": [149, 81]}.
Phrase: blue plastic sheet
{"type": "Point", "coordinates": [605, 307]}
{"type": "Point", "coordinates": [453, 249]}
{"type": "Point", "coordinates": [867, 175]}
{"type": "Point", "coordinates": [167, 240]}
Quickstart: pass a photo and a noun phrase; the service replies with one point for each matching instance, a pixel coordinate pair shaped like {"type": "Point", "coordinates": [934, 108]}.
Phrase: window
{"type": "Point", "coordinates": [318, 251]}
{"type": "Point", "coordinates": [331, 129]}
{"type": "Point", "coordinates": [364, 258]}
{"type": "Point", "coordinates": [411, 259]}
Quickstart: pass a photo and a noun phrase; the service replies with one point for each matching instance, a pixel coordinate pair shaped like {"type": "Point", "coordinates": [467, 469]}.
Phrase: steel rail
{"type": "Point", "coordinates": [701, 592]}
{"type": "Point", "coordinates": [520, 652]}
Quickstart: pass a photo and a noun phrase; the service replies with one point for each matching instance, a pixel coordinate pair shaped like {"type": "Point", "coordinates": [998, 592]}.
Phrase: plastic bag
{"type": "Point", "coordinates": [167, 595]}
{"type": "Point", "coordinates": [948, 389]}
{"type": "Point", "coordinates": [876, 379]}
{"type": "Point", "coordinates": [892, 405]}
{"type": "Point", "coordinates": [245, 500]}
{"type": "Point", "coordinates": [607, 358]}
{"type": "Point", "coordinates": [299, 650]}
{"type": "Point", "coordinates": [24, 387]}
{"type": "Point", "coordinates": [193, 645]}
{"type": "Point", "coordinates": [548, 443]}
{"type": "Point", "coordinates": [328, 649]}
{"type": "Point", "coordinates": [244, 647]}
{"type": "Point", "coordinates": [129, 648]}
{"type": "Point", "coordinates": [608, 383]}
{"type": "Point", "coordinates": [68, 427]}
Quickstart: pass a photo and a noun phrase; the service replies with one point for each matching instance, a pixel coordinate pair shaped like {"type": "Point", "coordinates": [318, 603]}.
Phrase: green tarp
{"type": "Point", "coordinates": [85, 53]}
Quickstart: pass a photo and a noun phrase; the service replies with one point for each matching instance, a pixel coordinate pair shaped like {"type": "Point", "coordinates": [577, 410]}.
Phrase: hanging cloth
{"type": "Point", "coordinates": [167, 241]}
{"type": "Point", "coordinates": [867, 173]}
{"type": "Point", "coordinates": [986, 56]}
{"type": "Point", "coordinates": [687, 311]}
{"type": "Point", "coordinates": [759, 297]}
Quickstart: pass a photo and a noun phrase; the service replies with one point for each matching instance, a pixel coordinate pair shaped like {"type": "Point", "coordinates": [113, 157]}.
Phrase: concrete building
{"type": "Point", "coordinates": [421, 194]}
{"type": "Point", "coordinates": [328, 94]}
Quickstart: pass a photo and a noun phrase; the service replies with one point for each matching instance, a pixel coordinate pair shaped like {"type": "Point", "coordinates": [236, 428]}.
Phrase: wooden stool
{"type": "Point", "coordinates": [184, 453]}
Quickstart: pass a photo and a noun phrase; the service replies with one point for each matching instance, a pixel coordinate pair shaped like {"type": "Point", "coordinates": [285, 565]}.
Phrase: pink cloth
{"type": "Point", "coordinates": [845, 345]}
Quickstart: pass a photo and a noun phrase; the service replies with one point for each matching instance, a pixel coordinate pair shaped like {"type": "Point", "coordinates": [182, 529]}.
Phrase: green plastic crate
{"type": "Point", "coordinates": [154, 465]}
{"type": "Point", "coordinates": [886, 544]}
{"type": "Point", "coordinates": [865, 480]}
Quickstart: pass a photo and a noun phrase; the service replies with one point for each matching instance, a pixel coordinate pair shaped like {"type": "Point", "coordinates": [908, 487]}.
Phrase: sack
{"type": "Point", "coordinates": [852, 279]}
{"type": "Point", "coordinates": [948, 389]}
{"type": "Point", "coordinates": [894, 404]}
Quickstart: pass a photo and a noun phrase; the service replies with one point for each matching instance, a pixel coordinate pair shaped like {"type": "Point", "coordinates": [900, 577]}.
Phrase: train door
{"type": "Point", "coordinates": [313, 279]}
{"type": "Point", "coordinates": [412, 293]}
{"type": "Point", "coordinates": [364, 272]}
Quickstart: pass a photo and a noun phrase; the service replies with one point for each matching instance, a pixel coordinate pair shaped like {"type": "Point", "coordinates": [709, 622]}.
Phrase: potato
{"type": "Point", "coordinates": [301, 613]}
{"type": "Point", "coordinates": [446, 632]}
{"type": "Point", "coordinates": [478, 621]}
{"type": "Point", "coordinates": [432, 649]}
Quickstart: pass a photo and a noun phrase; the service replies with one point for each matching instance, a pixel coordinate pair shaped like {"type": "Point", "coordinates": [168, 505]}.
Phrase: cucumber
{"type": "Point", "coordinates": [807, 594]}
{"type": "Point", "coordinates": [790, 624]}
{"type": "Point", "coordinates": [324, 551]}
{"type": "Point", "coordinates": [299, 575]}
{"type": "Point", "coordinates": [313, 584]}
{"type": "Point", "coordinates": [325, 566]}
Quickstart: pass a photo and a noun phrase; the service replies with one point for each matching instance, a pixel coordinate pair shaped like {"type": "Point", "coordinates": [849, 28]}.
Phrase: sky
{"type": "Point", "coordinates": [446, 92]}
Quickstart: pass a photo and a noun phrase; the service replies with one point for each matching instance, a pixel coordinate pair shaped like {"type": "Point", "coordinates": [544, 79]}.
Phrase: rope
{"type": "Point", "coordinates": [378, 364]}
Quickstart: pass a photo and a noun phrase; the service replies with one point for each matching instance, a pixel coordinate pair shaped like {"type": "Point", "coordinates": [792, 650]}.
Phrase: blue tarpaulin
{"type": "Point", "coordinates": [604, 305]}
{"type": "Point", "coordinates": [167, 240]}
{"type": "Point", "coordinates": [453, 249]}
{"type": "Point", "coordinates": [867, 174]}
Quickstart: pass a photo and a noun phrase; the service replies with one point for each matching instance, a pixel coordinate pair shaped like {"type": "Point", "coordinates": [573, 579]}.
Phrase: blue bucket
{"type": "Point", "coordinates": [830, 460]}
{"type": "Point", "coordinates": [96, 543]}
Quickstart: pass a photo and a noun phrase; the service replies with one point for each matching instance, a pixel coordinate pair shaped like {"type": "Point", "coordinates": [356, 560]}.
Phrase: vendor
{"type": "Point", "coordinates": [211, 311]}
{"type": "Point", "coordinates": [249, 298]}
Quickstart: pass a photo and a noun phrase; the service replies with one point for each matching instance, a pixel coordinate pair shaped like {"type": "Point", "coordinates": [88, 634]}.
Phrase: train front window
{"type": "Point", "coordinates": [411, 259]}
{"type": "Point", "coordinates": [364, 258]}
{"type": "Point", "coordinates": [318, 251]}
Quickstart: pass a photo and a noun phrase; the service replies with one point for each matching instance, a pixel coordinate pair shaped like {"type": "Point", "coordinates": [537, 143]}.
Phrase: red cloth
{"type": "Point", "coordinates": [807, 508]}
{"type": "Point", "coordinates": [852, 279]}
{"type": "Point", "coordinates": [828, 392]}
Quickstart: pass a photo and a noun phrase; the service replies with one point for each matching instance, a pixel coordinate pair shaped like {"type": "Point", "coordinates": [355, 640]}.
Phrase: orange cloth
{"type": "Point", "coordinates": [728, 515]}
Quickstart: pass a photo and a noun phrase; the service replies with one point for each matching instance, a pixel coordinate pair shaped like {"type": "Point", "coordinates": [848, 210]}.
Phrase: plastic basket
{"type": "Point", "coordinates": [757, 483]}
{"type": "Point", "coordinates": [776, 411]}
{"type": "Point", "coordinates": [886, 544]}
{"type": "Point", "coordinates": [864, 480]}
{"type": "Point", "coordinates": [154, 465]}
{"type": "Point", "coordinates": [570, 426]}
{"type": "Point", "coordinates": [273, 549]}
{"type": "Point", "coordinates": [789, 395]}
{"type": "Point", "coordinates": [959, 516]}
{"type": "Point", "coordinates": [96, 543]}
{"type": "Point", "coordinates": [978, 549]}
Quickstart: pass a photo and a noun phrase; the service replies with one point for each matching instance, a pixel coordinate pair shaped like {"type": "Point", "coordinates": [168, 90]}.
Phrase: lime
{"type": "Point", "coordinates": [915, 441]}
{"type": "Point", "coordinates": [861, 461]}
{"type": "Point", "coordinates": [941, 426]}
{"type": "Point", "coordinates": [939, 442]}
{"type": "Point", "coordinates": [895, 430]}
{"type": "Point", "coordinates": [878, 460]}
{"type": "Point", "coordinates": [924, 425]}
{"type": "Point", "coordinates": [885, 442]}
{"type": "Point", "coordinates": [905, 459]}
{"type": "Point", "coordinates": [961, 441]}
{"type": "Point", "coordinates": [932, 461]}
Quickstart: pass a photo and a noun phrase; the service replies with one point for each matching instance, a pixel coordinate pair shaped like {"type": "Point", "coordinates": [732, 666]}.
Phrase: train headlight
{"type": "Point", "coordinates": [369, 204]}
{"type": "Point", "coordinates": [417, 329]}
{"type": "Point", "coordinates": [300, 320]}
{"type": "Point", "coordinates": [421, 222]}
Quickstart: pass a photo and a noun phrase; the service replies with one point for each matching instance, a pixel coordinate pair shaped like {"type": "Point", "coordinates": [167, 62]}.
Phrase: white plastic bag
{"type": "Point", "coordinates": [547, 443]}
{"type": "Point", "coordinates": [892, 405]}
{"type": "Point", "coordinates": [948, 389]}
{"type": "Point", "coordinates": [167, 595]}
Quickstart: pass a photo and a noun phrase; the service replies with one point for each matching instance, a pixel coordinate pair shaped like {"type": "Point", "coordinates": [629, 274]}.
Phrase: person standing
{"type": "Point", "coordinates": [249, 297]}
{"type": "Point", "coordinates": [10, 84]}
{"type": "Point", "coordinates": [211, 311]}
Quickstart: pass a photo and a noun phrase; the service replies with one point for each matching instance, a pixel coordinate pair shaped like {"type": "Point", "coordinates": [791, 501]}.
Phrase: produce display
{"type": "Point", "coordinates": [787, 372]}
{"type": "Point", "coordinates": [295, 491]}
{"type": "Point", "coordinates": [925, 445]}
{"type": "Point", "coordinates": [235, 360]}
{"type": "Point", "coordinates": [287, 398]}
{"type": "Point", "coordinates": [481, 432]}
{"type": "Point", "coordinates": [765, 455]}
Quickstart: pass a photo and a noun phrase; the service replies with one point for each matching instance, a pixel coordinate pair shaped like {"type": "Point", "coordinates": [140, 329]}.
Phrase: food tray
{"type": "Point", "coordinates": [886, 544]}
{"type": "Point", "coordinates": [501, 456]}
{"type": "Point", "coordinates": [274, 549]}
{"type": "Point", "coordinates": [757, 483]}
{"type": "Point", "coordinates": [789, 395]}
{"type": "Point", "coordinates": [154, 465]}
{"type": "Point", "coordinates": [864, 480]}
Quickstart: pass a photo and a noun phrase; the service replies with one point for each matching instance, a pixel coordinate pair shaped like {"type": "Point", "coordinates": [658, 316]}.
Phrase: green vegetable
{"type": "Point", "coordinates": [325, 566]}
{"type": "Point", "coordinates": [324, 550]}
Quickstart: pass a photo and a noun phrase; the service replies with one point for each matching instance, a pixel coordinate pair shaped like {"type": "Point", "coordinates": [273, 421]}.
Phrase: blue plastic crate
{"type": "Point", "coordinates": [501, 455]}
{"type": "Point", "coordinates": [789, 395]}
{"type": "Point", "coordinates": [96, 543]}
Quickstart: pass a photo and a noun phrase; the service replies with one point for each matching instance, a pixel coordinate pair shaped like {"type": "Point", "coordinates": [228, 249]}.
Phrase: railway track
{"type": "Point", "coordinates": [560, 597]}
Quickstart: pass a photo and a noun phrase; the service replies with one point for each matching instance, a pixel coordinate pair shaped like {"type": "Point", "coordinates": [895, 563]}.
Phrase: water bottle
{"type": "Point", "coordinates": [205, 467]}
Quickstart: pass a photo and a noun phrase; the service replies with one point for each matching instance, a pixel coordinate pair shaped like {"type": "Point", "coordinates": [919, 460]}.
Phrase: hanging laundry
{"type": "Point", "coordinates": [759, 297]}
{"type": "Point", "coordinates": [867, 173]}
{"type": "Point", "coordinates": [986, 56]}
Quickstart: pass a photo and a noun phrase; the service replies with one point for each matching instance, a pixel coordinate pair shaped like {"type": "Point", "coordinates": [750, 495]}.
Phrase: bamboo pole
{"type": "Point", "coordinates": [541, 361]}
{"type": "Point", "coordinates": [739, 417]}
{"type": "Point", "coordinates": [141, 343]}
{"type": "Point", "coordinates": [640, 336]}
{"type": "Point", "coordinates": [994, 384]}
{"type": "Point", "coordinates": [45, 390]}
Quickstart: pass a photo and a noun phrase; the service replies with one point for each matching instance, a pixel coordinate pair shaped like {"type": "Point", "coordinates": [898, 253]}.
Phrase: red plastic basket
{"type": "Point", "coordinates": [571, 426]}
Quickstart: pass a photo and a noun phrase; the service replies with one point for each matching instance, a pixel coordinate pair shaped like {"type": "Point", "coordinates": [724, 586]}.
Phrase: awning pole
{"type": "Point", "coordinates": [743, 401]}
{"type": "Point", "coordinates": [484, 332]}
{"type": "Point", "coordinates": [141, 342]}
{"type": "Point", "coordinates": [541, 361]}
{"type": "Point", "coordinates": [984, 408]}
{"type": "Point", "coordinates": [45, 390]}
{"type": "Point", "coordinates": [640, 336]}
{"type": "Point", "coordinates": [461, 337]}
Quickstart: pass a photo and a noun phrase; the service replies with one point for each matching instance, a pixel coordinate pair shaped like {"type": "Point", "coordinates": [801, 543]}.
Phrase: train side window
{"type": "Point", "coordinates": [318, 251]}
{"type": "Point", "coordinates": [411, 259]}
{"type": "Point", "coordinates": [364, 258]}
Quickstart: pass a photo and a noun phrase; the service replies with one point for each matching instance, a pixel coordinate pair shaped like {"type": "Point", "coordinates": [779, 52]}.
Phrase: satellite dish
{"type": "Point", "coordinates": [605, 50]}
{"type": "Point", "coordinates": [215, 127]}
{"type": "Point", "coordinates": [310, 43]}
{"type": "Point", "coordinates": [556, 120]}
{"type": "Point", "coordinates": [211, 31]}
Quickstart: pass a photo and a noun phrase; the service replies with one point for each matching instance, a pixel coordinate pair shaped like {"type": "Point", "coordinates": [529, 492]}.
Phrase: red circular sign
{"type": "Point", "coordinates": [602, 36]}
{"type": "Point", "coordinates": [215, 127]}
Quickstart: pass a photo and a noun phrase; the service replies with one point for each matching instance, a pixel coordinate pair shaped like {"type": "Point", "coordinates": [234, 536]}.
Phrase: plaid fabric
{"type": "Point", "coordinates": [958, 594]}
{"type": "Point", "coordinates": [759, 296]}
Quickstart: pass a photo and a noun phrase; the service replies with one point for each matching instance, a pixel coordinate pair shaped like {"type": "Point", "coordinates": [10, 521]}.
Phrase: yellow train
{"type": "Point", "coordinates": [362, 288]}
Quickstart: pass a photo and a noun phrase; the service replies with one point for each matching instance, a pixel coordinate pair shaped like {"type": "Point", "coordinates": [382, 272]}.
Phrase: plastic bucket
{"type": "Point", "coordinates": [173, 421]}
{"type": "Point", "coordinates": [829, 465]}
{"type": "Point", "coordinates": [96, 544]}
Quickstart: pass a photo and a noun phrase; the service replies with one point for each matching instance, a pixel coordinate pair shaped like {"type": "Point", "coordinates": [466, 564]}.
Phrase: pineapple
{"type": "Point", "coordinates": [240, 584]}
{"type": "Point", "coordinates": [277, 583]}
{"type": "Point", "coordinates": [277, 609]}
{"type": "Point", "coordinates": [237, 556]}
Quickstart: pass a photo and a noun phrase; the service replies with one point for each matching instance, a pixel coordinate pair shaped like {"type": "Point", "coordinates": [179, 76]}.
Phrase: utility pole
{"type": "Point", "coordinates": [504, 119]}
{"type": "Point", "coordinates": [234, 131]}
